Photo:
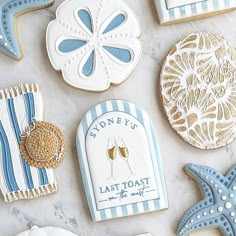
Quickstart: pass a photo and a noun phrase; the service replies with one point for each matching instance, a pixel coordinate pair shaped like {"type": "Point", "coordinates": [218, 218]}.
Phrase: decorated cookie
{"type": "Point", "coordinates": [21, 106]}
{"type": "Point", "coordinates": [10, 9]}
{"type": "Point", "coordinates": [120, 161]}
{"type": "Point", "coordinates": [218, 207]}
{"type": "Point", "coordinates": [198, 90]}
{"type": "Point", "coordinates": [94, 43]}
{"type": "Point", "coordinates": [176, 11]}
{"type": "Point", "coordinates": [47, 231]}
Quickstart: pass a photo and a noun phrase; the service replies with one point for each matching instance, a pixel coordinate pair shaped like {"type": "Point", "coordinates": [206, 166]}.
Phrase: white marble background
{"type": "Point", "coordinates": [65, 106]}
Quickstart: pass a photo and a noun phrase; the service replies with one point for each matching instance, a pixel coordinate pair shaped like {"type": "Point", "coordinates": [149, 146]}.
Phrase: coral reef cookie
{"type": "Point", "coordinates": [198, 90]}
{"type": "Point", "coordinates": [120, 161]}
{"type": "Point", "coordinates": [46, 231]}
{"type": "Point", "coordinates": [218, 207]}
{"type": "Point", "coordinates": [10, 9]}
{"type": "Point", "coordinates": [20, 106]}
{"type": "Point", "coordinates": [94, 43]}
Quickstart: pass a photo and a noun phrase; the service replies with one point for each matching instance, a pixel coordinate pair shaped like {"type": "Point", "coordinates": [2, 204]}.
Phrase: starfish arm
{"type": "Point", "coordinates": [10, 9]}
{"type": "Point", "coordinates": [203, 177]}
{"type": "Point", "coordinates": [196, 214]}
{"type": "Point", "coordinates": [230, 178]}
{"type": "Point", "coordinates": [209, 180]}
{"type": "Point", "coordinates": [220, 221]}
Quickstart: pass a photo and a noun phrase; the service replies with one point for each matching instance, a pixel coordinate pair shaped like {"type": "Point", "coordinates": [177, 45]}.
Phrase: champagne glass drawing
{"type": "Point", "coordinates": [111, 153]}
{"type": "Point", "coordinates": [124, 152]}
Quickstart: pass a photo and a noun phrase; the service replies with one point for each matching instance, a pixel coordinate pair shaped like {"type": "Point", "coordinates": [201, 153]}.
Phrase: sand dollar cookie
{"type": "Point", "coordinates": [198, 90]}
{"type": "Point", "coordinates": [217, 208]}
{"type": "Point", "coordinates": [94, 43]}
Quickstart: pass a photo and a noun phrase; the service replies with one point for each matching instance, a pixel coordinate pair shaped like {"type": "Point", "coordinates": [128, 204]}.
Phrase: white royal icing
{"type": "Point", "coordinates": [47, 231]}
{"type": "Point", "coordinates": [94, 43]}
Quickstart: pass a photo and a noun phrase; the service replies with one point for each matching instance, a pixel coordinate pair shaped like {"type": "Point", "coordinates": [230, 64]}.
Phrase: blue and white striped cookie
{"type": "Point", "coordinates": [120, 161]}
{"type": "Point", "coordinates": [19, 107]}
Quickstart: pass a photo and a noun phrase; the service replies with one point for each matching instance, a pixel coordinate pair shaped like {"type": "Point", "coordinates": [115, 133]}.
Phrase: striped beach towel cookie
{"type": "Point", "coordinates": [19, 107]}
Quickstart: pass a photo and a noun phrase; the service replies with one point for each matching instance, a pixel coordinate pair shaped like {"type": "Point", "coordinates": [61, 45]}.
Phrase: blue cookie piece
{"type": "Point", "coordinates": [10, 9]}
{"type": "Point", "coordinates": [218, 207]}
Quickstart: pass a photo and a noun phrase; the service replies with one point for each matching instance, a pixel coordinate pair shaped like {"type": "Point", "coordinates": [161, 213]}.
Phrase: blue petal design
{"type": "Point", "coordinates": [88, 67]}
{"type": "Point", "coordinates": [69, 45]}
{"type": "Point", "coordinates": [123, 55]}
{"type": "Point", "coordinates": [86, 19]}
{"type": "Point", "coordinates": [117, 21]}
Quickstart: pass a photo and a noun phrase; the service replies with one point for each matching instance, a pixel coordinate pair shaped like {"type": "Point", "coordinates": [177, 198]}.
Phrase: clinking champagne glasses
{"type": "Point", "coordinates": [111, 153]}
{"type": "Point", "coordinates": [124, 152]}
{"type": "Point", "coordinates": [112, 146]}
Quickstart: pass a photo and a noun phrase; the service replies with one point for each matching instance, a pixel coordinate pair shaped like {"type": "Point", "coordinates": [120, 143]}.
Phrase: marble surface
{"type": "Point", "coordinates": [65, 106]}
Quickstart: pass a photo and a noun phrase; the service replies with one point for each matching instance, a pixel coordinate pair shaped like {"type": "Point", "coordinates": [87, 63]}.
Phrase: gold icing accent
{"type": "Point", "coordinates": [43, 145]}
{"type": "Point", "coordinates": [198, 90]}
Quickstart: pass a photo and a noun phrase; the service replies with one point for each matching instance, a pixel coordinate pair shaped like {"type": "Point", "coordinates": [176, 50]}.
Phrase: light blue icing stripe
{"type": "Point", "coordinates": [172, 14]}
{"type": "Point", "coordinates": [126, 107]}
{"type": "Point", "coordinates": [135, 208]}
{"type": "Point", "coordinates": [227, 3]}
{"type": "Point", "coordinates": [139, 115]}
{"type": "Point", "coordinates": [15, 124]}
{"type": "Point", "coordinates": [83, 172]}
{"type": "Point", "coordinates": [7, 162]}
{"type": "Point", "coordinates": [182, 11]}
{"type": "Point", "coordinates": [145, 206]}
{"type": "Point", "coordinates": [157, 153]}
{"type": "Point", "coordinates": [94, 113]}
{"type": "Point", "coordinates": [205, 6]}
{"type": "Point", "coordinates": [113, 212]}
{"type": "Point", "coordinates": [159, 8]}
{"type": "Point", "coordinates": [114, 105]}
{"type": "Point", "coordinates": [216, 5]}
{"type": "Point", "coordinates": [124, 210]}
{"type": "Point", "coordinates": [156, 203]}
{"type": "Point", "coordinates": [103, 215]}
{"type": "Point", "coordinates": [29, 98]}
{"type": "Point", "coordinates": [104, 107]}
{"type": "Point", "coordinates": [194, 8]}
{"type": "Point", "coordinates": [13, 117]}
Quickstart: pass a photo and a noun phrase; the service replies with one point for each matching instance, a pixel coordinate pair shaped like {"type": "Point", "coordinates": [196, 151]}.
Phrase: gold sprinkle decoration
{"type": "Point", "coordinates": [42, 145]}
{"type": "Point", "coordinates": [198, 90]}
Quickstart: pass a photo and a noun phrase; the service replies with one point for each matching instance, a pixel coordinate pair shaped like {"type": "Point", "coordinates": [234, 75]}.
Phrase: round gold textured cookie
{"type": "Point", "coordinates": [43, 145]}
{"type": "Point", "coordinates": [198, 90]}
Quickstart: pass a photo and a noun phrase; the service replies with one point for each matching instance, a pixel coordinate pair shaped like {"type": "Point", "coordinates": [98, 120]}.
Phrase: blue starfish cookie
{"type": "Point", "coordinates": [10, 9]}
{"type": "Point", "coordinates": [218, 207]}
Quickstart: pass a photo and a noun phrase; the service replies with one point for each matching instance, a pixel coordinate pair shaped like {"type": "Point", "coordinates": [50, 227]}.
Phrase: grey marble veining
{"type": "Point", "coordinates": [65, 106]}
